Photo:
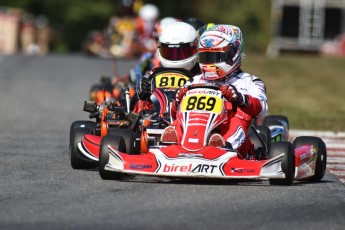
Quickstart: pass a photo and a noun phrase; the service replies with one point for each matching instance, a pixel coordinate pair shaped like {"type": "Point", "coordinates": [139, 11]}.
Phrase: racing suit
{"type": "Point", "coordinates": [235, 130]}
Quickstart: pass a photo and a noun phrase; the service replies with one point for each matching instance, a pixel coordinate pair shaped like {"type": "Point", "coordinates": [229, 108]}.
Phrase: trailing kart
{"type": "Point", "coordinates": [108, 89]}
{"type": "Point", "coordinates": [138, 131]}
{"type": "Point", "coordinates": [202, 109]}
{"type": "Point", "coordinates": [108, 115]}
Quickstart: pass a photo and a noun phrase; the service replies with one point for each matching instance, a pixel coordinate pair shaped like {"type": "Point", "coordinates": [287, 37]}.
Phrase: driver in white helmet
{"type": "Point", "coordinates": [177, 48]}
{"type": "Point", "coordinates": [220, 56]}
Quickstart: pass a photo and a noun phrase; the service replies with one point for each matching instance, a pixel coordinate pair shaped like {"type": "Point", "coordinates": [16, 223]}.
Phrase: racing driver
{"type": "Point", "coordinates": [182, 55]}
{"type": "Point", "coordinates": [220, 53]}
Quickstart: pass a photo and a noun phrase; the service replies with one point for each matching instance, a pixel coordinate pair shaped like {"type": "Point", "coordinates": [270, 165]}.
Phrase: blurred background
{"type": "Point", "coordinates": [296, 46]}
{"type": "Point", "coordinates": [268, 25]}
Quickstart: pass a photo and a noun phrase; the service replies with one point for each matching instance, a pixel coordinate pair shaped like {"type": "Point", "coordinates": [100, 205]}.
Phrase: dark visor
{"type": "Point", "coordinates": [214, 57]}
{"type": "Point", "coordinates": [176, 52]}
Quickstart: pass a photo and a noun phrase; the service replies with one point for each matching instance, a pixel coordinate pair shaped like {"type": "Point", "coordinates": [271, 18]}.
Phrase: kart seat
{"type": "Point", "coordinates": [260, 136]}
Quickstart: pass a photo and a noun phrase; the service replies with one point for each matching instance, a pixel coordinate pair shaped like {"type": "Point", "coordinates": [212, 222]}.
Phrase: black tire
{"type": "Point", "coordinates": [82, 124]}
{"type": "Point", "coordinates": [119, 144]}
{"type": "Point", "coordinates": [129, 136]}
{"type": "Point", "coordinates": [78, 161]}
{"type": "Point", "coordinates": [321, 160]}
{"type": "Point", "coordinates": [277, 120]}
{"type": "Point", "coordinates": [287, 164]}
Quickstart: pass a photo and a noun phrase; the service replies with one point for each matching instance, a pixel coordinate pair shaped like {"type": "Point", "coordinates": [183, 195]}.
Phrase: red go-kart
{"type": "Point", "coordinates": [202, 110]}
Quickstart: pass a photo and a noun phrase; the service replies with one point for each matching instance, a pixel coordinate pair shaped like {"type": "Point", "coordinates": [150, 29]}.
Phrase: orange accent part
{"type": "Point", "coordinates": [144, 142]}
{"type": "Point", "coordinates": [131, 92]}
{"type": "Point", "coordinates": [116, 93]}
{"type": "Point", "coordinates": [100, 95]}
{"type": "Point", "coordinates": [104, 124]}
{"type": "Point", "coordinates": [146, 123]}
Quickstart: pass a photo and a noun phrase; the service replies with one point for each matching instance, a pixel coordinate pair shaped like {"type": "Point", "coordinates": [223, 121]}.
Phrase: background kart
{"type": "Point", "coordinates": [142, 130]}
{"type": "Point", "coordinates": [201, 111]}
{"type": "Point", "coordinates": [279, 127]}
{"type": "Point", "coordinates": [107, 89]}
{"type": "Point", "coordinates": [108, 115]}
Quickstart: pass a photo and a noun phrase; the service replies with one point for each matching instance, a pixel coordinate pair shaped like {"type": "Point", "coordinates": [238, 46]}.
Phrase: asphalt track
{"type": "Point", "coordinates": [42, 96]}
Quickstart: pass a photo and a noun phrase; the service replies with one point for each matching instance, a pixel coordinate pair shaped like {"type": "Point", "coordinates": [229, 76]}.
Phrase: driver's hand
{"type": "Point", "coordinates": [231, 94]}
{"type": "Point", "coordinates": [145, 84]}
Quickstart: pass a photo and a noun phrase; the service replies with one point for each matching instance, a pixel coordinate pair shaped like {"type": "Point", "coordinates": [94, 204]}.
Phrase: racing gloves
{"type": "Point", "coordinates": [231, 94]}
{"type": "Point", "coordinates": [145, 84]}
{"type": "Point", "coordinates": [145, 87]}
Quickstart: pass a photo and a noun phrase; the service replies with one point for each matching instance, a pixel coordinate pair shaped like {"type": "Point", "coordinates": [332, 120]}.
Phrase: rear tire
{"type": "Point", "coordinates": [129, 137]}
{"type": "Point", "coordinates": [77, 160]}
{"type": "Point", "coordinates": [321, 160]}
{"type": "Point", "coordinates": [287, 163]}
{"type": "Point", "coordinates": [118, 143]}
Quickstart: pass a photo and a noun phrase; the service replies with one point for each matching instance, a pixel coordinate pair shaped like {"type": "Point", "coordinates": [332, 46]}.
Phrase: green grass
{"type": "Point", "coordinates": [308, 89]}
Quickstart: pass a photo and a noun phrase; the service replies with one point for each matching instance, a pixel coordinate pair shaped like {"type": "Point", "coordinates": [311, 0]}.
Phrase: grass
{"type": "Point", "coordinates": [308, 89]}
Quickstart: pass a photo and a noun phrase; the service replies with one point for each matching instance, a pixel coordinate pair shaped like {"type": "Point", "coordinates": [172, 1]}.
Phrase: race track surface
{"type": "Point", "coordinates": [42, 96]}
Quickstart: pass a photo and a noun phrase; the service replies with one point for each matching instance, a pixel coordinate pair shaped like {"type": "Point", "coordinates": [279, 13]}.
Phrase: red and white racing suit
{"type": "Point", "coordinates": [254, 88]}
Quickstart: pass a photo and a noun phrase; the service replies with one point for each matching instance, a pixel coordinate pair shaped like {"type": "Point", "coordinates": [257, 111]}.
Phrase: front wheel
{"type": "Point", "coordinates": [287, 163]}
{"type": "Point", "coordinates": [321, 160]}
{"type": "Point", "coordinates": [76, 157]}
{"type": "Point", "coordinates": [118, 143]}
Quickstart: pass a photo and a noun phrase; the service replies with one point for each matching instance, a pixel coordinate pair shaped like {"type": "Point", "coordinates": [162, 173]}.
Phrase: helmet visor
{"type": "Point", "coordinates": [176, 52]}
{"type": "Point", "coordinates": [214, 57]}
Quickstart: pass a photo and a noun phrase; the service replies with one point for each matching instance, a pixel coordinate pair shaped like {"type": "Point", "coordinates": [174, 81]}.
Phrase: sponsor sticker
{"type": "Point", "coordinates": [140, 166]}
{"type": "Point", "coordinates": [242, 170]}
{"type": "Point", "coordinates": [193, 140]}
{"type": "Point", "coordinates": [199, 168]}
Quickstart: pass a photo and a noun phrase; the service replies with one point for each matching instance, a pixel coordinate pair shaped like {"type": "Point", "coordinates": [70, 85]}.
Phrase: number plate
{"type": "Point", "coordinates": [210, 101]}
{"type": "Point", "coordinates": [170, 80]}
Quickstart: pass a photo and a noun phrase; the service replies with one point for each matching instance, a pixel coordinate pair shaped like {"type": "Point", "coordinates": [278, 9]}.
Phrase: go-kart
{"type": "Point", "coordinates": [107, 89]}
{"type": "Point", "coordinates": [201, 111]}
{"type": "Point", "coordinates": [109, 115]}
{"type": "Point", "coordinates": [138, 130]}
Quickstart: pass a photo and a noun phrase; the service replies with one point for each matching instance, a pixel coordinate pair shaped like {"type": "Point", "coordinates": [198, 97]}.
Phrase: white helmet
{"type": "Point", "coordinates": [178, 46]}
{"type": "Point", "coordinates": [161, 24]}
{"type": "Point", "coordinates": [220, 51]}
{"type": "Point", "coordinates": [149, 12]}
